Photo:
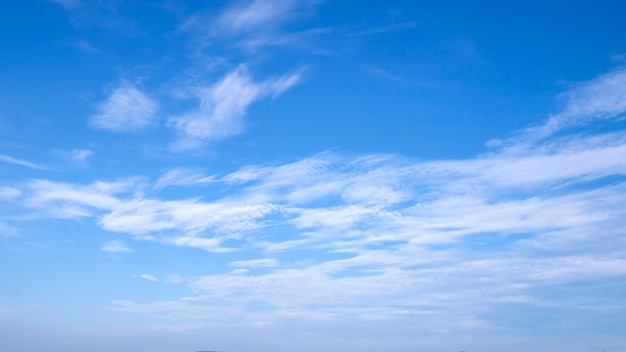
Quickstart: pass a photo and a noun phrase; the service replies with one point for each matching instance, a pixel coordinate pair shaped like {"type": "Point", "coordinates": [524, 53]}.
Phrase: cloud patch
{"type": "Point", "coordinates": [222, 107]}
{"type": "Point", "coordinates": [255, 15]}
{"type": "Point", "coordinates": [11, 160]}
{"type": "Point", "coordinates": [148, 277]}
{"type": "Point", "coordinates": [127, 109]}
{"type": "Point", "coordinates": [116, 246]}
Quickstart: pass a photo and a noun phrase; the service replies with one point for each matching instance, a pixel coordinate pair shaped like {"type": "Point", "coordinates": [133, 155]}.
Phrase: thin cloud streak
{"type": "Point", "coordinates": [116, 246]}
{"type": "Point", "coordinates": [148, 277]}
{"type": "Point", "coordinates": [11, 160]}
{"type": "Point", "coordinates": [257, 14]}
{"type": "Point", "coordinates": [182, 177]}
{"type": "Point", "coordinates": [333, 235]}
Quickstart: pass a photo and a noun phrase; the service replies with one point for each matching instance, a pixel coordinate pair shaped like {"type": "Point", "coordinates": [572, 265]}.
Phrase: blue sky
{"type": "Point", "coordinates": [303, 174]}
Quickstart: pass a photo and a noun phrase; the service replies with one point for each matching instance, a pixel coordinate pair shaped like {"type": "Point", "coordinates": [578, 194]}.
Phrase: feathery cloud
{"type": "Point", "coordinates": [425, 237]}
{"type": "Point", "coordinates": [11, 160]}
{"type": "Point", "coordinates": [601, 98]}
{"type": "Point", "coordinates": [255, 263]}
{"type": "Point", "coordinates": [77, 155]}
{"type": "Point", "coordinates": [116, 246]}
{"type": "Point", "coordinates": [126, 109]}
{"type": "Point", "coordinates": [223, 105]}
{"type": "Point", "coordinates": [182, 177]}
{"type": "Point", "coordinates": [255, 15]}
{"type": "Point", "coordinates": [148, 277]}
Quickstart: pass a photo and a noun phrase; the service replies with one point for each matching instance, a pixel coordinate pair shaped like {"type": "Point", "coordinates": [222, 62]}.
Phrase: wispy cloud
{"type": "Point", "coordinates": [74, 201]}
{"type": "Point", "coordinates": [84, 46]}
{"type": "Point", "coordinates": [601, 98]}
{"type": "Point", "coordinates": [173, 279]}
{"type": "Point", "coordinates": [77, 155]}
{"type": "Point", "coordinates": [182, 177]}
{"type": "Point", "coordinates": [80, 155]}
{"type": "Point", "coordinates": [126, 109]}
{"type": "Point", "coordinates": [223, 105]}
{"type": "Point", "coordinates": [11, 160]}
{"type": "Point", "coordinates": [116, 246]}
{"type": "Point", "coordinates": [9, 192]}
{"type": "Point", "coordinates": [256, 14]}
{"type": "Point", "coordinates": [252, 25]}
{"type": "Point", "coordinates": [148, 277]}
{"type": "Point", "coordinates": [255, 263]}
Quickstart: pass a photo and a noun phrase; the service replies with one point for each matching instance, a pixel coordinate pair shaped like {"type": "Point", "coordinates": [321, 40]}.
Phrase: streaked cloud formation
{"type": "Point", "coordinates": [383, 228]}
{"type": "Point", "coordinates": [310, 175]}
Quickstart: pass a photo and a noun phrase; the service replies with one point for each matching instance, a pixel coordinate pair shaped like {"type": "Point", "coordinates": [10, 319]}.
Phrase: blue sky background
{"type": "Point", "coordinates": [304, 174]}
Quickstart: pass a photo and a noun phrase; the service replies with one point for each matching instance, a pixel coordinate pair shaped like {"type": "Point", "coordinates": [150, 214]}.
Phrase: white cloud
{"type": "Point", "coordinates": [76, 155]}
{"type": "Point", "coordinates": [148, 277]}
{"type": "Point", "coordinates": [223, 105]}
{"type": "Point", "coordinates": [255, 15]}
{"type": "Point", "coordinates": [126, 109]}
{"type": "Point", "coordinates": [73, 201]}
{"type": "Point", "coordinates": [601, 98]}
{"type": "Point", "coordinates": [116, 246]}
{"type": "Point", "coordinates": [255, 263]}
{"type": "Point", "coordinates": [11, 160]}
{"type": "Point", "coordinates": [9, 192]}
{"type": "Point", "coordinates": [182, 177]}
{"type": "Point", "coordinates": [80, 155]}
{"type": "Point", "coordinates": [253, 24]}
{"type": "Point", "coordinates": [189, 219]}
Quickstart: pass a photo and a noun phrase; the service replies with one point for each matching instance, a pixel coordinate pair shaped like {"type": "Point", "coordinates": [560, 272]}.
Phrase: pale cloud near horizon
{"type": "Point", "coordinates": [126, 109]}
{"type": "Point", "coordinates": [222, 107]}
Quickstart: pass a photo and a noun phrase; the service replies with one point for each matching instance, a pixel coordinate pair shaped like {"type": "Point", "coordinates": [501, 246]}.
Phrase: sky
{"type": "Point", "coordinates": [306, 175]}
